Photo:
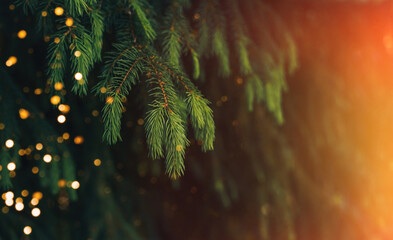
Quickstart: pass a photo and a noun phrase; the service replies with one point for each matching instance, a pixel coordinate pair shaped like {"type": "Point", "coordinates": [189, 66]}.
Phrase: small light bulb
{"type": "Point", "coordinates": [77, 54]}
{"type": "Point", "coordinates": [23, 113]}
{"type": "Point", "coordinates": [78, 76]}
{"type": "Point", "coordinates": [109, 100]}
{"type": "Point", "coordinates": [69, 22]}
{"type": "Point", "coordinates": [61, 118]}
{"type": "Point", "coordinates": [66, 136]}
{"type": "Point", "coordinates": [9, 202]}
{"type": "Point", "coordinates": [79, 140]}
{"type": "Point", "coordinates": [59, 11]}
{"type": "Point", "coordinates": [25, 193]}
{"type": "Point", "coordinates": [11, 166]}
{"type": "Point", "coordinates": [97, 162]}
{"type": "Point", "coordinates": [38, 195]}
{"type": "Point", "coordinates": [22, 34]}
{"type": "Point", "coordinates": [34, 201]}
{"type": "Point", "coordinates": [58, 86]}
{"type": "Point", "coordinates": [55, 100]}
{"type": "Point", "coordinates": [47, 158]}
{"type": "Point", "coordinates": [19, 206]}
{"type": "Point", "coordinates": [9, 143]}
{"type": "Point", "coordinates": [9, 195]}
{"type": "Point", "coordinates": [27, 230]}
{"type": "Point", "coordinates": [11, 61]}
{"type": "Point", "coordinates": [64, 108]}
{"type": "Point", "coordinates": [39, 146]}
{"type": "Point", "coordinates": [75, 185]}
{"type": "Point", "coordinates": [35, 212]}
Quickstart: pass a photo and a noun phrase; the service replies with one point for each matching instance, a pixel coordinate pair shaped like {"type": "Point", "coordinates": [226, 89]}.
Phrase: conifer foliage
{"type": "Point", "coordinates": [147, 43]}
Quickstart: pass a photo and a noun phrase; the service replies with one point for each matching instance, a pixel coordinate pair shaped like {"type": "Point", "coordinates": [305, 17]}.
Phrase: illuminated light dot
{"type": "Point", "coordinates": [224, 98]}
{"type": "Point", "coordinates": [47, 158]}
{"type": "Point", "coordinates": [9, 143]}
{"type": "Point", "coordinates": [34, 201]}
{"type": "Point", "coordinates": [9, 195]}
{"type": "Point", "coordinates": [27, 230]}
{"type": "Point", "coordinates": [21, 152]}
{"type": "Point", "coordinates": [35, 212]}
{"type": "Point", "coordinates": [78, 76]}
{"type": "Point", "coordinates": [39, 146]}
{"type": "Point", "coordinates": [69, 22]}
{"type": "Point", "coordinates": [109, 100]}
{"type": "Point", "coordinates": [38, 195]}
{"type": "Point", "coordinates": [197, 16]}
{"type": "Point", "coordinates": [77, 54]}
{"type": "Point", "coordinates": [5, 209]}
{"type": "Point", "coordinates": [61, 183]}
{"type": "Point", "coordinates": [19, 206]}
{"type": "Point", "coordinates": [46, 39]}
{"type": "Point", "coordinates": [58, 86]}
{"type": "Point", "coordinates": [140, 121]}
{"type": "Point", "coordinates": [25, 193]}
{"type": "Point", "coordinates": [35, 170]}
{"type": "Point", "coordinates": [1, 167]}
{"type": "Point", "coordinates": [179, 148]}
{"type": "Point", "coordinates": [23, 113]}
{"type": "Point", "coordinates": [12, 174]}
{"type": "Point", "coordinates": [75, 185]}
{"type": "Point", "coordinates": [44, 13]}
{"type": "Point", "coordinates": [79, 140]}
{"type": "Point", "coordinates": [9, 202]}
{"type": "Point", "coordinates": [28, 150]}
{"type": "Point", "coordinates": [59, 139]}
{"type": "Point", "coordinates": [12, 7]}
{"type": "Point", "coordinates": [59, 11]}
{"type": "Point", "coordinates": [11, 61]}
{"type": "Point", "coordinates": [19, 200]}
{"type": "Point", "coordinates": [64, 108]}
{"type": "Point", "coordinates": [55, 100]}
{"type": "Point", "coordinates": [11, 166]}
{"type": "Point", "coordinates": [2, 126]}
{"type": "Point", "coordinates": [66, 136]}
{"type": "Point", "coordinates": [38, 91]}
{"type": "Point", "coordinates": [22, 34]}
{"type": "Point", "coordinates": [97, 162]}
{"type": "Point", "coordinates": [239, 81]}
{"type": "Point", "coordinates": [95, 113]}
{"type": "Point", "coordinates": [56, 40]}
{"type": "Point", "coordinates": [61, 119]}
{"type": "Point", "coordinates": [103, 90]}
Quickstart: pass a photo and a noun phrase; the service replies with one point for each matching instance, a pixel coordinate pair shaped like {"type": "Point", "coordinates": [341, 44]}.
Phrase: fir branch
{"type": "Point", "coordinates": [137, 6]}
{"type": "Point", "coordinates": [97, 30]}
